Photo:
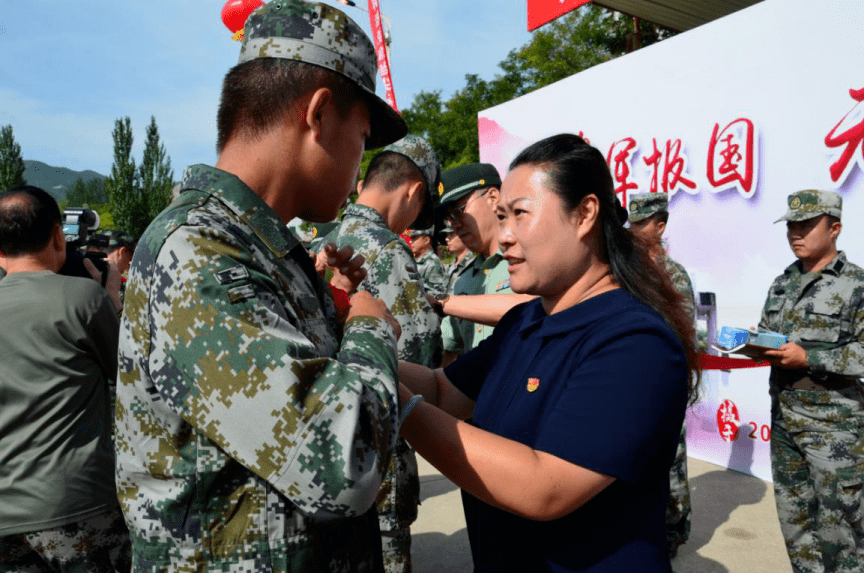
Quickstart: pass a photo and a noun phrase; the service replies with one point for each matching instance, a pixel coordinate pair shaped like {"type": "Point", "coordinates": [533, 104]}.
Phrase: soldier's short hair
{"type": "Point", "coordinates": [258, 93]}
{"type": "Point", "coordinates": [389, 170]}
{"type": "Point", "coordinates": [28, 217]}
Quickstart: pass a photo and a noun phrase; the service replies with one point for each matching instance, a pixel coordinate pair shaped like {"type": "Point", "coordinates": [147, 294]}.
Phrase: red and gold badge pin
{"type": "Point", "coordinates": [533, 383]}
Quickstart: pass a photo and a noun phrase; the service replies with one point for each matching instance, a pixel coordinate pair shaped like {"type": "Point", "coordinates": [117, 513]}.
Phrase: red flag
{"type": "Point", "coordinates": [544, 11]}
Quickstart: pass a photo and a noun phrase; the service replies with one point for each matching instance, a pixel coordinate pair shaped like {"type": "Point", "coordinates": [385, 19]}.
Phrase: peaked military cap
{"type": "Point", "coordinates": [811, 203]}
{"type": "Point", "coordinates": [318, 34]}
{"type": "Point", "coordinates": [643, 205]}
{"type": "Point", "coordinates": [460, 181]}
{"type": "Point", "coordinates": [423, 156]}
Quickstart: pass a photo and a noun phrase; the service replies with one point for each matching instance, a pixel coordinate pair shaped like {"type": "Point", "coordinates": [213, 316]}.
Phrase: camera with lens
{"type": "Point", "coordinates": [78, 226]}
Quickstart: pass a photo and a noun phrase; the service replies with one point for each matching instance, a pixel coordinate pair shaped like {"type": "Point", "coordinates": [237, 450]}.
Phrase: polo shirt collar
{"type": "Point", "coordinates": [243, 202]}
{"type": "Point", "coordinates": [535, 321]}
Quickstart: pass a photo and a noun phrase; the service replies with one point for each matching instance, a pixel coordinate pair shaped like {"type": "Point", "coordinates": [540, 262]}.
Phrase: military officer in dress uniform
{"type": "Point", "coordinates": [253, 429]}
{"type": "Point", "coordinates": [817, 406]}
{"type": "Point", "coordinates": [399, 189]}
{"type": "Point", "coordinates": [649, 214]}
{"type": "Point", "coordinates": [469, 198]}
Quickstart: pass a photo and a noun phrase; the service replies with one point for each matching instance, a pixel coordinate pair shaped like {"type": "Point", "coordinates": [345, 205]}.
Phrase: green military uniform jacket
{"type": "Point", "coordinates": [392, 276]}
{"type": "Point", "coordinates": [483, 276]}
{"type": "Point", "coordinates": [249, 437]}
{"type": "Point", "coordinates": [432, 272]}
{"type": "Point", "coordinates": [455, 270]}
{"type": "Point", "coordinates": [823, 312]}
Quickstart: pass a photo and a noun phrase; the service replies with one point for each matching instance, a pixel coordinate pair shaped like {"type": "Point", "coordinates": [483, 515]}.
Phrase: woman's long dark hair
{"type": "Point", "coordinates": [576, 170]}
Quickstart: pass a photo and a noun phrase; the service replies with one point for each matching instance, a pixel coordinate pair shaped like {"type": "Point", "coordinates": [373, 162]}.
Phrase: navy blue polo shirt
{"type": "Point", "coordinates": [603, 385]}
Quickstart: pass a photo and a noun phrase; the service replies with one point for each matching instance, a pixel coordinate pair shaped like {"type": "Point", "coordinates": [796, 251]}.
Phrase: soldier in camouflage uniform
{"type": "Point", "coordinates": [649, 214]}
{"type": "Point", "coordinates": [817, 406]}
{"type": "Point", "coordinates": [430, 266]}
{"type": "Point", "coordinates": [252, 434]}
{"type": "Point", "coordinates": [397, 191]}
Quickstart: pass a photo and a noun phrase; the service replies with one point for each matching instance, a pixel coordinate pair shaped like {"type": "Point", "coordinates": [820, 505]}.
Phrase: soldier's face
{"type": "Point", "coordinates": [343, 141]}
{"type": "Point", "coordinates": [812, 239]}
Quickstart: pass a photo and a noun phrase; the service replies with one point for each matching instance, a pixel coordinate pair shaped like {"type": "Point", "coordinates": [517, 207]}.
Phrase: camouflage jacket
{"type": "Point", "coordinates": [681, 282]}
{"type": "Point", "coordinates": [432, 272]}
{"type": "Point", "coordinates": [392, 276]}
{"type": "Point", "coordinates": [823, 312]}
{"type": "Point", "coordinates": [248, 437]}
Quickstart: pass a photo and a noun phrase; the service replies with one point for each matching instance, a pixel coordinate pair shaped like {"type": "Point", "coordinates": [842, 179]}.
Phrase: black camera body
{"type": "Point", "coordinates": [78, 224]}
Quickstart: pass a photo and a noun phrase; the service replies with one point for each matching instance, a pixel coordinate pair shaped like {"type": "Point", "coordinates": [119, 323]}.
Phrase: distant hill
{"type": "Point", "coordinates": [55, 180]}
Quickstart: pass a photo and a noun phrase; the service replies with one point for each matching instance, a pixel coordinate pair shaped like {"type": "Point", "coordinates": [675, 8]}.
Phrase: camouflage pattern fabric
{"type": "Point", "coordinates": [643, 205]}
{"type": "Point", "coordinates": [811, 203]}
{"type": "Point", "coordinates": [432, 272]}
{"type": "Point", "coordinates": [321, 35]}
{"type": "Point", "coordinates": [249, 438]}
{"type": "Point", "coordinates": [97, 544]}
{"type": "Point", "coordinates": [393, 277]}
{"type": "Point", "coordinates": [678, 509]}
{"type": "Point", "coordinates": [817, 435]}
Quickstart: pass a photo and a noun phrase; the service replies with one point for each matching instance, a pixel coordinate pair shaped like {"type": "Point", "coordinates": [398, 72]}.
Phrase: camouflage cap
{"type": "Point", "coordinates": [462, 180]}
{"type": "Point", "coordinates": [420, 232]}
{"type": "Point", "coordinates": [118, 238]}
{"type": "Point", "coordinates": [643, 205]}
{"type": "Point", "coordinates": [423, 156]}
{"type": "Point", "coordinates": [318, 34]}
{"type": "Point", "coordinates": [811, 203]}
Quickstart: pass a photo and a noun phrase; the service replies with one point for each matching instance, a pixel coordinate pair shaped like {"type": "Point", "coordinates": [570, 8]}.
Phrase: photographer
{"type": "Point", "coordinates": [58, 503]}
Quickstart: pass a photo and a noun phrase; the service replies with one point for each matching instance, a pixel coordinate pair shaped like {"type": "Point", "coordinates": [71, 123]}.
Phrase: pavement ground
{"type": "Point", "coordinates": [734, 525]}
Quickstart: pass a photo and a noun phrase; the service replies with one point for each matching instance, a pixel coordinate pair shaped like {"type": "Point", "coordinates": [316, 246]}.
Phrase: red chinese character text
{"type": "Point", "coordinates": [667, 171]}
{"type": "Point", "coordinates": [851, 138]}
{"type": "Point", "coordinates": [728, 421]}
{"type": "Point", "coordinates": [732, 157]}
{"type": "Point", "coordinates": [619, 158]}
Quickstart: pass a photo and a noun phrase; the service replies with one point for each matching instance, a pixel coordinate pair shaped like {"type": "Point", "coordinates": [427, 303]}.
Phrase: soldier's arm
{"type": "Point", "coordinates": [229, 356]}
{"type": "Point", "coordinates": [397, 282]}
{"type": "Point", "coordinates": [846, 356]}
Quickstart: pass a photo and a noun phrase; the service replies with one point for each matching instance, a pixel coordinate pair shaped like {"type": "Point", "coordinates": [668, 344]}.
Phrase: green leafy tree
{"type": "Point", "coordinates": [90, 193]}
{"type": "Point", "coordinates": [127, 208]}
{"type": "Point", "coordinates": [583, 38]}
{"type": "Point", "coordinates": [11, 164]}
{"type": "Point", "coordinates": [155, 175]}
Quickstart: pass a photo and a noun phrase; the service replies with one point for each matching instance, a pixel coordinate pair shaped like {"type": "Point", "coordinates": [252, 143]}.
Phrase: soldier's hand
{"type": "Point", "coordinates": [364, 304]}
{"type": "Point", "coordinates": [348, 271]}
{"type": "Point", "coordinates": [790, 355]}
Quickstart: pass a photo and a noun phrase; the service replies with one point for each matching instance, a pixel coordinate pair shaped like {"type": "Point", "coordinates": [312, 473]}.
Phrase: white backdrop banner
{"type": "Point", "coordinates": [729, 118]}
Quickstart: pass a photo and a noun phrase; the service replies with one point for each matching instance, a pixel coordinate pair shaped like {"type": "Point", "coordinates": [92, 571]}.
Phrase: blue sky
{"type": "Point", "coordinates": [70, 68]}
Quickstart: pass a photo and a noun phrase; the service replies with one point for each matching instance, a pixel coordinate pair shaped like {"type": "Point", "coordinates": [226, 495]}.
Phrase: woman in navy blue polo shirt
{"type": "Point", "coordinates": [578, 396]}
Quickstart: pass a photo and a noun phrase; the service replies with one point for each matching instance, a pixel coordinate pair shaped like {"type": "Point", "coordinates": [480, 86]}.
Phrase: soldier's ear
{"type": "Point", "coordinates": [661, 228]}
{"type": "Point", "coordinates": [360, 186]}
{"type": "Point", "coordinates": [836, 227]}
{"type": "Point", "coordinates": [315, 110]}
{"type": "Point", "coordinates": [494, 195]}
